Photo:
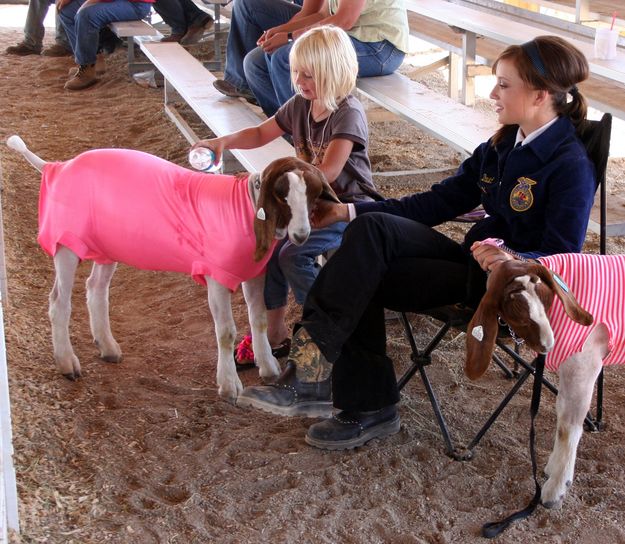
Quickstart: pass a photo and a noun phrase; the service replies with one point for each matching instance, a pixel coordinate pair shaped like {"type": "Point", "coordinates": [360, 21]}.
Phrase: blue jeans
{"type": "Point", "coordinates": [34, 30]}
{"type": "Point", "coordinates": [250, 18]}
{"type": "Point", "coordinates": [83, 29]}
{"type": "Point", "coordinates": [269, 76]}
{"type": "Point", "coordinates": [179, 14]}
{"type": "Point", "coordinates": [295, 266]}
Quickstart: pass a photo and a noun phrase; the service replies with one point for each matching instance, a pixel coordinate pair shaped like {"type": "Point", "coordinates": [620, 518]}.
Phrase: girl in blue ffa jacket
{"type": "Point", "coordinates": [536, 184]}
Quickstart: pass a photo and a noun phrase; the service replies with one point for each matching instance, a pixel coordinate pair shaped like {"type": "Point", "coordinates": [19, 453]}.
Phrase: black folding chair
{"type": "Point", "coordinates": [596, 138]}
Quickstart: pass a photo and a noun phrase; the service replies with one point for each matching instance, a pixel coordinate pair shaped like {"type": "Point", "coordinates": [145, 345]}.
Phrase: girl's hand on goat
{"type": "Point", "coordinates": [326, 213]}
{"type": "Point", "coordinates": [489, 256]}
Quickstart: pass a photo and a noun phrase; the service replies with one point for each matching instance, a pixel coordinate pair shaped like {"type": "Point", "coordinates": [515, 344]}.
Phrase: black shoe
{"type": "Point", "coordinates": [347, 430]}
{"type": "Point", "coordinates": [290, 397]}
{"type": "Point", "coordinates": [227, 88]}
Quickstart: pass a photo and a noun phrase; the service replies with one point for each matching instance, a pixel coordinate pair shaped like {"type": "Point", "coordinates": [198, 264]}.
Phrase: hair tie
{"type": "Point", "coordinates": [574, 91]}
{"type": "Point", "coordinates": [531, 50]}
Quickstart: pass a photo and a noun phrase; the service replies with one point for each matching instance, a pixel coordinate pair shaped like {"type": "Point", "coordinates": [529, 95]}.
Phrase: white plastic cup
{"type": "Point", "coordinates": [605, 43]}
{"type": "Point", "coordinates": [203, 159]}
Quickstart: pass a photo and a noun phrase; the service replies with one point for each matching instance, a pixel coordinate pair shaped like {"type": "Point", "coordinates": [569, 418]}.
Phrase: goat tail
{"type": "Point", "coordinates": [16, 143]}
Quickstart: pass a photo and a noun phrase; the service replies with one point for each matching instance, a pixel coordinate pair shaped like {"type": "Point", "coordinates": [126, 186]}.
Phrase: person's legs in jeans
{"type": "Point", "coordinates": [250, 18]}
{"type": "Point", "coordinates": [33, 28]}
{"type": "Point", "coordinates": [83, 28]}
{"type": "Point", "coordinates": [60, 37]}
{"type": "Point", "coordinates": [377, 58]}
{"type": "Point", "coordinates": [280, 74]}
{"type": "Point", "coordinates": [295, 267]}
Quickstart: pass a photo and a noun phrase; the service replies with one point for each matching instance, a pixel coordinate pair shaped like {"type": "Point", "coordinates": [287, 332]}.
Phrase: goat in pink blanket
{"type": "Point", "coordinates": [120, 205]}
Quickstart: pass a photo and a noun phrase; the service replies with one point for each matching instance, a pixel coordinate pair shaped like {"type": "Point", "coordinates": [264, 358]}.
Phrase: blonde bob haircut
{"type": "Point", "coordinates": [327, 53]}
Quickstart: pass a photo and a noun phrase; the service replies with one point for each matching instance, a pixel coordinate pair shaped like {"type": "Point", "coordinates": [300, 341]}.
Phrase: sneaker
{"type": "Point", "coordinates": [172, 38]}
{"type": "Point", "coordinates": [303, 389]}
{"type": "Point", "coordinates": [85, 77]}
{"type": "Point", "coordinates": [348, 430]}
{"type": "Point", "coordinates": [22, 49]}
{"type": "Point", "coordinates": [228, 89]}
{"type": "Point", "coordinates": [196, 31]}
{"type": "Point", "coordinates": [244, 354]}
{"type": "Point", "coordinates": [56, 50]}
{"type": "Point", "coordinates": [100, 67]}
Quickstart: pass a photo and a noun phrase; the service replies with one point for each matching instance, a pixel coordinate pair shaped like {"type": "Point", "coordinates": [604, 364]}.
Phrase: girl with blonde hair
{"type": "Point", "coordinates": [328, 127]}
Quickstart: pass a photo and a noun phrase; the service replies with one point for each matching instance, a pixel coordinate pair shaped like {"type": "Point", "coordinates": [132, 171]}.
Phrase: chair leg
{"type": "Point", "coordinates": [420, 359]}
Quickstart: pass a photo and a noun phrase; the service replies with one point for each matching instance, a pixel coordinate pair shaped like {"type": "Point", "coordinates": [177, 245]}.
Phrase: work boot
{"type": "Point", "coordinates": [100, 67]}
{"type": "Point", "coordinates": [85, 77]}
{"type": "Point", "coordinates": [195, 32]}
{"type": "Point", "coordinates": [172, 38]}
{"type": "Point", "coordinates": [22, 49]}
{"type": "Point", "coordinates": [56, 50]}
{"type": "Point", "coordinates": [350, 429]}
{"type": "Point", "coordinates": [303, 389]}
{"type": "Point", "coordinates": [228, 89]}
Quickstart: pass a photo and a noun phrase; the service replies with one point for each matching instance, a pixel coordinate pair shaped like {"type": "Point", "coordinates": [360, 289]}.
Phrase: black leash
{"type": "Point", "coordinates": [493, 529]}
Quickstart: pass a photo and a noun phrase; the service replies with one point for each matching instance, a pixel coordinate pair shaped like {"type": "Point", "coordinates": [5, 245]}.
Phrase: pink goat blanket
{"type": "Point", "coordinates": [120, 205]}
{"type": "Point", "coordinates": [598, 284]}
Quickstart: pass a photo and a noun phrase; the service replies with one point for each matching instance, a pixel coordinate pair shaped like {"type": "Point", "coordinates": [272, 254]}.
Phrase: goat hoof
{"type": "Point", "coordinates": [72, 376]}
{"type": "Point", "coordinates": [111, 358]}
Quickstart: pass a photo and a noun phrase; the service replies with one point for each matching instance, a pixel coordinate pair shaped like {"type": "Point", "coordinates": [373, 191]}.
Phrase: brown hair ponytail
{"type": "Point", "coordinates": [552, 64]}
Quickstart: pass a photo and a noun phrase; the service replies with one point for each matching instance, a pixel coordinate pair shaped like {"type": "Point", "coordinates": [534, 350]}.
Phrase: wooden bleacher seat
{"type": "Point", "coordinates": [186, 75]}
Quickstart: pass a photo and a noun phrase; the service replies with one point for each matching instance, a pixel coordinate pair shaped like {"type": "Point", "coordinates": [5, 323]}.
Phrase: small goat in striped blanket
{"type": "Point", "coordinates": [579, 333]}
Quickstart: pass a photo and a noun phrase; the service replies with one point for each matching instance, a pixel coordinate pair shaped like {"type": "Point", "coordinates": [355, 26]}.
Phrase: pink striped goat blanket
{"type": "Point", "coordinates": [598, 284]}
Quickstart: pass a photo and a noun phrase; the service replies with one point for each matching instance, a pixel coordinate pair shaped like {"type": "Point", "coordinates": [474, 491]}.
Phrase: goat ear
{"type": "Point", "coordinates": [265, 222]}
{"type": "Point", "coordinates": [265, 230]}
{"type": "Point", "coordinates": [561, 289]}
{"type": "Point", "coordinates": [327, 193]}
{"type": "Point", "coordinates": [316, 176]}
{"type": "Point", "coordinates": [481, 336]}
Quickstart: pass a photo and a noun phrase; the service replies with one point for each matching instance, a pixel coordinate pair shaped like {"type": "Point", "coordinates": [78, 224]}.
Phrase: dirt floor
{"type": "Point", "coordinates": [145, 452]}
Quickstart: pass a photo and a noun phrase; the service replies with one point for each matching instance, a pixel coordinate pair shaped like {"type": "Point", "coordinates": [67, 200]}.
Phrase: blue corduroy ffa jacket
{"type": "Point", "coordinates": [537, 196]}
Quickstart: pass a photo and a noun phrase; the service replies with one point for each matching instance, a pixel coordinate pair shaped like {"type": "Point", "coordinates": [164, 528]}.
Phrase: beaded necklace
{"type": "Point", "coordinates": [315, 150]}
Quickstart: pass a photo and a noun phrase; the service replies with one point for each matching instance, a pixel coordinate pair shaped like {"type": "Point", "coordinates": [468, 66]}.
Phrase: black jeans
{"type": "Point", "coordinates": [384, 262]}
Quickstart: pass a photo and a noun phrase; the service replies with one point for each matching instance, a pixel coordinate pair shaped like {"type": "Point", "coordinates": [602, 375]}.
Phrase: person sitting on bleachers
{"type": "Point", "coordinates": [262, 33]}
{"type": "Point", "coordinates": [187, 21]}
{"type": "Point", "coordinates": [82, 20]}
{"type": "Point", "coordinates": [34, 31]}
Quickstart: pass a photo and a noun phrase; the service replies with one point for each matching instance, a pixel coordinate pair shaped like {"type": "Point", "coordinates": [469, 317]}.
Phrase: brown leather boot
{"type": "Point", "coordinates": [22, 49]}
{"type": "Point", "coordinates": [100, 67]}
{"type": "Point", "coordinates": [303, 389]}
{"type": "Point", "coordinates": [84, 77]}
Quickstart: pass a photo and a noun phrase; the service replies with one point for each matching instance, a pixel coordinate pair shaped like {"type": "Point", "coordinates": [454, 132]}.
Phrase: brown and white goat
{"type": "Point", "coordinates": [521, 294]}
{"type": "Point", "coordinates": [120, 205]}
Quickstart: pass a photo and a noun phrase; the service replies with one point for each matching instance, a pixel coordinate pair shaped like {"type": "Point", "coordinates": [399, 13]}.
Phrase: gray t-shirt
{"type": "Point", "coordinates": [311, 139]}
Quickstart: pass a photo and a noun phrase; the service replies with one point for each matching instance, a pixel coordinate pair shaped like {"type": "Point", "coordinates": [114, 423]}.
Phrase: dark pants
{"type": "Point", "coordinates": [179, 14]}
{"type": "Point", "coordinates": [383, 262]}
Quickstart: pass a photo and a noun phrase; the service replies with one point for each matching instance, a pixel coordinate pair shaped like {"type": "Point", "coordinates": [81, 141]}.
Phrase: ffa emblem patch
{"type": "Point", "coordinates": [521, 197]}
{"type": "Point", "coordinates": [487, 179]}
